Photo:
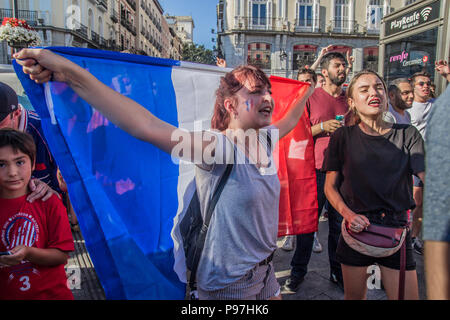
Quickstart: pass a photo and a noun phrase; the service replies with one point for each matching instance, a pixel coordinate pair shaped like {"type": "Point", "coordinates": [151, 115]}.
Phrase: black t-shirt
{"type": "Point", "coordinates": [376, 171]}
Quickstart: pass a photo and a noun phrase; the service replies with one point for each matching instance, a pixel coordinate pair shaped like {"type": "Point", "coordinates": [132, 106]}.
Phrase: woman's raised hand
{"type": "Point", "coordinates": [42, 65]}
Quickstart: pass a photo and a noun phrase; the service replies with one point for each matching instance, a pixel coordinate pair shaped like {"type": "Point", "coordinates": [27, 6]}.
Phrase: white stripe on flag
{"type": "Point", "coordinates": [195, 86]}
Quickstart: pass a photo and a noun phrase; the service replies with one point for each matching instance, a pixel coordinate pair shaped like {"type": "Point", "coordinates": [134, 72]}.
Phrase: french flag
{"type": "Point", "coordinates": [126, 193]}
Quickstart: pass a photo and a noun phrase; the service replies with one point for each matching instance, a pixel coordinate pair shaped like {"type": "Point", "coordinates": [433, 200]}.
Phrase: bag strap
{"type": "Point", "coordinates": [401, 281]}
{"type": "Point", "coordinates": [202, 235]}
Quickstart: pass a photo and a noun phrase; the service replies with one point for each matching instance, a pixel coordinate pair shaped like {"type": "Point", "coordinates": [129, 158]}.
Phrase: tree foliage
{"type": "Point", "coordinates": [198, 54]}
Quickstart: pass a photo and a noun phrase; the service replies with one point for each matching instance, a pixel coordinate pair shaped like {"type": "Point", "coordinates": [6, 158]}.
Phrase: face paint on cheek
{"type": "Point", "coordinates": [248, 103]}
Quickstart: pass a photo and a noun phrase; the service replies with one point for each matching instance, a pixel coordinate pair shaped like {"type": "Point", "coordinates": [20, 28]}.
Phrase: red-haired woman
{"type": "Point", "coordinates": [236, 260]}
{"type": "Point", "coordinates": [369, 167]}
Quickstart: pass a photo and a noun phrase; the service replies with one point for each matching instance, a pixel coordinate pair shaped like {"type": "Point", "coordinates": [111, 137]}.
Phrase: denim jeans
{"type": "Point", "coordinates": [305, 242]}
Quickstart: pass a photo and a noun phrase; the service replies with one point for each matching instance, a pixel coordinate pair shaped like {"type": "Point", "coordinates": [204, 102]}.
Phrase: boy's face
{"type": "Point", "coordinates": [15, 172]}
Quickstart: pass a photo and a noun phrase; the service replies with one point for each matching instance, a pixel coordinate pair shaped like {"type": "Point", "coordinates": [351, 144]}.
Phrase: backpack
{"type": "Point", "coordinates": [193, 230]}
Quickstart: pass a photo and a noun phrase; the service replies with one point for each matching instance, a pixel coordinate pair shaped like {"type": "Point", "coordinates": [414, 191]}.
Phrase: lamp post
{"type": "Point", "coordinates": [15, 9]}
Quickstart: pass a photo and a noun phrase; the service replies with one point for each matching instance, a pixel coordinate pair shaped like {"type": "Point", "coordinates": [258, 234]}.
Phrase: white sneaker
{"type": "Point", "coordinates": [288, 244]}
{"type": "Point", "coordinates": [317, 247]}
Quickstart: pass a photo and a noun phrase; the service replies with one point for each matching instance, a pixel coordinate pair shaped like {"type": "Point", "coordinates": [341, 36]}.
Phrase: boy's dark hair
{"type": "Point", "coordinates": [305, 71]}
{"type": "Point", "coordinates": [419, 74]}
{"type": "Point", "coordinates": [18, 140]}
{"type": "Point", "coordinates": [325, 61]}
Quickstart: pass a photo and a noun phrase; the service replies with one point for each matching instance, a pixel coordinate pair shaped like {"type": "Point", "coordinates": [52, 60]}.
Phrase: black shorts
{"type": "Point", "coordinates": [350, 257]}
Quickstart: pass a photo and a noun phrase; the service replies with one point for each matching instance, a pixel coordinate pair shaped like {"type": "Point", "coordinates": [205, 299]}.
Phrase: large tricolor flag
{"type": "Point", "coordinates": [126, 193]}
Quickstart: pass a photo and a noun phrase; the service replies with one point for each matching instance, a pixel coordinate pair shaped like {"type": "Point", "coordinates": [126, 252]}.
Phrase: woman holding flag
{"type": "Point", "coordinates": [236, 260]}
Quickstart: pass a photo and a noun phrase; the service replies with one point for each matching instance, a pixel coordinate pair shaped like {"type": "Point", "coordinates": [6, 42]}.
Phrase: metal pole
{"type": "Point", "coordinates": [15, 9]}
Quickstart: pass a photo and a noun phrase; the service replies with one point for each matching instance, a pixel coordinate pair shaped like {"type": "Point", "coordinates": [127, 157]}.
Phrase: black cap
{"type": "Point", "coordinates": [8, 100]}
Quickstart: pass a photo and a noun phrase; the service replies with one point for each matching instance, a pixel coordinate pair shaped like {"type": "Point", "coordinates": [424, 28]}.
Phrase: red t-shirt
{"type": "Point", "coordinates": [42, 225]}
{"type": "Point", "coordinates": [321, 107]}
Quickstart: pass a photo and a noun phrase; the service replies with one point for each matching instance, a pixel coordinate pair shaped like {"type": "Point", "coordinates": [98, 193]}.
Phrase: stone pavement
{"type": "Point", "coordinates": [82, 278]}
{"type": "Point", "coordinates": [316, 285]}
{"type": "Point", "coordinates": [86, 286]}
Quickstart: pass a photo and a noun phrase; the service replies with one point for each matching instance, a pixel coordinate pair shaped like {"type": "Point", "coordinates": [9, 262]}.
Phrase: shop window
{"type": "Point", "coordinates": [259, 55]}
{"type": "Point", "coordinates": [371, 58]}
{"type": "Point", "coordinates": [341, 16]}
{"type": "Point", "coordinates": [303, 55]}
{"type": "Point", "coordinates": [411, 54]}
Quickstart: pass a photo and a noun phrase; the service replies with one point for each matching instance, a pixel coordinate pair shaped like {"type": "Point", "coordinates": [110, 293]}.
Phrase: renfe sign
{"type": "Point", "coordinates": [413, 18]}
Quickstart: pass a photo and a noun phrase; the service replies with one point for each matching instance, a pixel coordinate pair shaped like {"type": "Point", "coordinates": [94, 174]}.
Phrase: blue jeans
{"type": "Point", "coordinates": [305, 242]}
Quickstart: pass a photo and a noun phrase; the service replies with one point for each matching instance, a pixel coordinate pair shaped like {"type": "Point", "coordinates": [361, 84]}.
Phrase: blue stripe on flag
{"type": "Point", "coordinates": [125, 215]}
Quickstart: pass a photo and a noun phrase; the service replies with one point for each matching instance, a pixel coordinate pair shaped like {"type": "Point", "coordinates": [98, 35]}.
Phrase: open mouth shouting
{"type": "Point", "coordinates": [266, 111]}
{"type": "Point", "coordinates": [375, 102]}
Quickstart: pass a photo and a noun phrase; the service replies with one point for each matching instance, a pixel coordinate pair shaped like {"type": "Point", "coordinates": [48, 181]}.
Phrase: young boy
{"type": "Point", "coordinates": [35, 238]}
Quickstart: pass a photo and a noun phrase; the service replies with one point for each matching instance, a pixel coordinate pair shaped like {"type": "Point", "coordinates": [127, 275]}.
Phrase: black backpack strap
{"type": "Point", "coordinates": [202, 235]}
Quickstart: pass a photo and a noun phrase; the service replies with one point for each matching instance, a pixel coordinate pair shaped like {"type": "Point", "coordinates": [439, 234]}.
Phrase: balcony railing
{"type": "Point", "coordinates": [343, 26]}
{"type": "Point", "coordinates": [80, 29]}
{"type": "Point", "coordinates": [132, 4]}
{"type": "Point", "coordinates": [276, 24]}
{"type": "Point", "coordinates": [114, 16]}
{"type": "Point", "coordinates": [103, 3]}
{"type": "Point", "coordinates": [307, 25]}
{"type": "Point", "coordinates": [31, 17]}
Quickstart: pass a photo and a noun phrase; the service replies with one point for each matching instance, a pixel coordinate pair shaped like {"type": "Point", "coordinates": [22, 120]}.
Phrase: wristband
{"type": "Point", "coordinates": [321, 126]}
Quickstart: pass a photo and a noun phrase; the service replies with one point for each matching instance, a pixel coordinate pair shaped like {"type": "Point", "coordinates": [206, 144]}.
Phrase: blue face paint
{"type": "Point", "coordinates": [248, 105]}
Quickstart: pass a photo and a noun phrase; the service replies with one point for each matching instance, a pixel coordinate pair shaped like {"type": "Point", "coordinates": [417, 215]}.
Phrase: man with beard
{"type": "Point", "coordinates": [420, 112]}
{"type": "Point", "coordinates": [323, 106]}
{"type": "Point", "coordinates": [401, 97]}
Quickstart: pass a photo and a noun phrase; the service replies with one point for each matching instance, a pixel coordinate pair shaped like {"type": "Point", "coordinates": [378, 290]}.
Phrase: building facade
{"type": "Point", "coordinates": [133, 26]}
{"type": "Point", "coordinates": [73, 23]}
{"type": "Point", "coordinates": [183, 27]}
{"type": "Point", "coordinates": [282, 35]}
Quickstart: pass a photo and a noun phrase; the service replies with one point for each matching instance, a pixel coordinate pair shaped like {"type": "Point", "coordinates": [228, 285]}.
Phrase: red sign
{"type": "Point", "coordinates": [425, 59]}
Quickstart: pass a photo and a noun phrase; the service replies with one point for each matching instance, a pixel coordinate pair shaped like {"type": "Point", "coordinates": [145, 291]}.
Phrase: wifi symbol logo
{"type": "Point", "coordinates": [425, 13]}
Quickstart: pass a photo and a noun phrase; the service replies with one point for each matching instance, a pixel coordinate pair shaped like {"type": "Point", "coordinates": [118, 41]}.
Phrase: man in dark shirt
{"type": "Point", "coordinates": [323, 106]}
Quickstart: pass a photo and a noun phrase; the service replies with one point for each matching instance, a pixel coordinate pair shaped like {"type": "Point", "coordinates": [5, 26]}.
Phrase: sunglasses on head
{"type": "Point", "coordinates": [422, 83]}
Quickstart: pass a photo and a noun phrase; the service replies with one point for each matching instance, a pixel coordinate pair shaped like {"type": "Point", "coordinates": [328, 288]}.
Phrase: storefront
{"type": "Point", "coordinates": [413, 38]}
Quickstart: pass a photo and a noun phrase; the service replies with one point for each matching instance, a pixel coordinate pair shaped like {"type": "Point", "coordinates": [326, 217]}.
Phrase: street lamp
{"type": "Point", "coordinates": [15, 9]}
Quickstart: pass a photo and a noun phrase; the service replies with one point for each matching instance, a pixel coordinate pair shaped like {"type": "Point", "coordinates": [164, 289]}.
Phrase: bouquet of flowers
{"type": "Point", "coordinates": [16, 31]}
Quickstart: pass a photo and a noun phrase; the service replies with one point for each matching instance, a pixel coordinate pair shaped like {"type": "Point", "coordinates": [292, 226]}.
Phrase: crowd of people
{"type": "Point", "coordinates": [370, 169]}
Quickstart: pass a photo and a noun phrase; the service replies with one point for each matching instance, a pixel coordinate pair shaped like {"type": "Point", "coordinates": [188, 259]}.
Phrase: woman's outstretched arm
{"type": "Point", "coordinates": [43, 65]}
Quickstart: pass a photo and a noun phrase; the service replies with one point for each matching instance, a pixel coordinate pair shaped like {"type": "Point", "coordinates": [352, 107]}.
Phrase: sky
{"type": "Point", "coordinates": [203, 13]}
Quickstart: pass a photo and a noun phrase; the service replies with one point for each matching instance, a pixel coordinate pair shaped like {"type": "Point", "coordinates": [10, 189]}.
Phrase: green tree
{"type": "Point", "coordinates": [198, 54]}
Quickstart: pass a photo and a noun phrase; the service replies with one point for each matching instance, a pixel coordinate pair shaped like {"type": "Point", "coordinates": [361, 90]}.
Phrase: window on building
{"type": "Point", "coordinates": [407, 2]}
{"type": "Point", "coordinates": [341, 16]}
{"type": "Point", "coordinates": [259, 12]}
{"type": "Point", "coordinates": [374, 14]}
{"type": "Point", "coordinates": [304, 54]}
{"type": "Point", "coordinates": [259, 55]}
{"type": "Point", "coordinates": [305, 13]}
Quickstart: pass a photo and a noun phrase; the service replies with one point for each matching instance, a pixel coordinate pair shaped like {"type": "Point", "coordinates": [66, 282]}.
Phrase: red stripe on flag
{"type": "Point", "coordinates": [296, 166]}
